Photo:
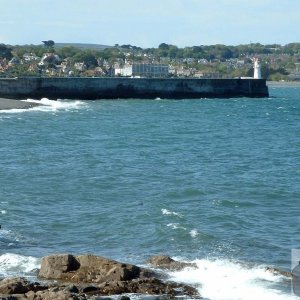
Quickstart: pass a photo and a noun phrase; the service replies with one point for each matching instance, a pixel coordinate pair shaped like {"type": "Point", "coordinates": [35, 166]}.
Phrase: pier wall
{"type": "Point", "coordinates": [120, 87]}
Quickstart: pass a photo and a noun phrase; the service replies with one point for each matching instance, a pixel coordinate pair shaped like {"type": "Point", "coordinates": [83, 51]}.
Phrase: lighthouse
{"type": "Point", "coordinates": [257, 69]}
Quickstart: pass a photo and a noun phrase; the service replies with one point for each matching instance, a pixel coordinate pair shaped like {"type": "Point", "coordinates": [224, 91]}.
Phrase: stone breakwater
{"type": "Point", "coordinates": [66, 277]}
{"type": "Point", "coordinates": [124, 88]}
{"type": "Point", "coordinates": [6, 104]}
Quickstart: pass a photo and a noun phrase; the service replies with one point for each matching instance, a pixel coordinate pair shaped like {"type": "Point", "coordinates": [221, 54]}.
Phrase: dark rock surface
{"type": "Point", "coordinates": [166, 262]}
{"type": "Point", "coordinates": [279, 272]}
{"type": "Point", "coordinates": [19, 285]}
{"type": "Point", "coordinates": [21, 289]}
{"type": "Point", "coordinates": [88, 268]}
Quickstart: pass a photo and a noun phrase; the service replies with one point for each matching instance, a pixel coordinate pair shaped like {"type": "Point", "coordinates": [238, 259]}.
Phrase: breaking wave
{"type": "Point", "coordinates": [170, 213]}
{"type": "Point", "coordinates": [16, 265]}
{"type": "Point", "coordinates": [227, 280]}
{"type": "Point", "coordinates": [47, 105]}
{"type": "Point", "coordinates": [53, 105]}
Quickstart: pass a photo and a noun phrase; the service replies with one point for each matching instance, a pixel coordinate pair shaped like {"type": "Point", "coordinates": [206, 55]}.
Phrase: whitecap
{"type": "Point", "coordinates": [13, 264]}
{"type": "Point", "coordinates": [175, 226]}
{"type": "Point", "coordinates": [224, 279]}
{"type": "Point", "coordinates": [194, 233]}
{"type": "Point", "coordinates": [48, 105]}
{"type": "Point", "coordinates": [3, 212]}
{"type": "Point", "coordinates": [168, 212]}
{"type": "Point", "coordinates": [54, 105]}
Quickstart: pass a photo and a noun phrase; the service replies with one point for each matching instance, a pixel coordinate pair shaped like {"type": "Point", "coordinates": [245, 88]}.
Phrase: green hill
{"type": "Point", "coordinates": [82, 46]}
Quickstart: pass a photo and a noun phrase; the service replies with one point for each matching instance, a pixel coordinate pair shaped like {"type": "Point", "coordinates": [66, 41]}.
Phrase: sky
{"type": "Point", "coordinates": [148, 23]}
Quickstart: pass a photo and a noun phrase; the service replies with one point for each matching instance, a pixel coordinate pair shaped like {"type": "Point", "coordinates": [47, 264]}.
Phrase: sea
{"type": "Point", "coordinates": [210, 181]}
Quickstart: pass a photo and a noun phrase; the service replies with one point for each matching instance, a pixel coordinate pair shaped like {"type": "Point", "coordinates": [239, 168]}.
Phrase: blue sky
{"type": "Point", "coordinates": [147, 23]}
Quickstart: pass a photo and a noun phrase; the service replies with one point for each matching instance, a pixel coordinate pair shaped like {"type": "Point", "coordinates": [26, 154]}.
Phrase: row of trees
{"type": "Point", "coordinates": [218, 51]}
{"type": "Point", "coordinates": [224, 52]}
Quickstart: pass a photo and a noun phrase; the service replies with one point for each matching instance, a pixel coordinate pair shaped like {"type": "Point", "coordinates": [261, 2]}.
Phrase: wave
{"type": "Point", "coordinates": [54, 105]}
{"type": "Point", "coordinates": [176, 226]}
{"type": "Point", "coordinates": [227, 280]}
{"type": "Point", "coordinates": [48, 105]}
{"type": "Point", "coordinates": [17, 265]}
{"type": "Point", "coordinates": [170, 213]}
{"type": "Point", "coordinates": [194, 233]}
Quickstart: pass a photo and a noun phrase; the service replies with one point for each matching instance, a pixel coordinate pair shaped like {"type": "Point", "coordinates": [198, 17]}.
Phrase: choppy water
{"type": "Point", "coordinates": [212, 181]}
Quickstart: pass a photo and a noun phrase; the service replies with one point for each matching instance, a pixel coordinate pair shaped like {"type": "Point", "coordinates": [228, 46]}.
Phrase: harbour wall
{"type": "Point", "coordinates": [123, 88]}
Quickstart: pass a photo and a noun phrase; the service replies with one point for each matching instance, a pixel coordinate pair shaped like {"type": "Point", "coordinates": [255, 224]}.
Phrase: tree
{"type": "Point", "coordinates": [163, 46]}
{"type": "Point", "coordinates": [87, 57]}
{"type": "Point", "coordinates": [49, 44]}
{"type": "Point", "coordinates": [5, 52]}
{"type": "Point", "coordinates": [68, 51]}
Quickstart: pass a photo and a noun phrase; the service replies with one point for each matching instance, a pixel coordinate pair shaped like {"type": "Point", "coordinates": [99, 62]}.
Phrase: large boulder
{"type": "Point", "coordinates": [87, 268]}
{"type": "Point", "coordinates": [55, 266]}
{"type": "Point", "coordinates": [166, 262]}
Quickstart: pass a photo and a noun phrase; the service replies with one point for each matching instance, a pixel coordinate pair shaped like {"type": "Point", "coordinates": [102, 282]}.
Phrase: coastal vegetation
{"type": "Point", "coordinates": [279, 62]}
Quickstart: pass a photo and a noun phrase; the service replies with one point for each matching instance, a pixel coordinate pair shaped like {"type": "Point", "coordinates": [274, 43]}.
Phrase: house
{"type": "Point", "coordinates": [80, 66]}
{"type": "Point", "coordinates": [30, 57]}
{"type": "Point", "coordinates": [145, 70]}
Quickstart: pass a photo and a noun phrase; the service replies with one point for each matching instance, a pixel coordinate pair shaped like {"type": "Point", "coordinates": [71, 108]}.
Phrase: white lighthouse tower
{"type": "Point", "coordinates": [257, 69]}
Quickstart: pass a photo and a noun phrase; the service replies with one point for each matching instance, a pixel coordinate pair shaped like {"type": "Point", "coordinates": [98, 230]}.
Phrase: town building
{"type": "Point", "coordinates": [144, 70]}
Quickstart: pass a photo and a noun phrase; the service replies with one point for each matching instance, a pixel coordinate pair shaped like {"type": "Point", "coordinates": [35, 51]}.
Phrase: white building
{"type": "Point", "coordinates": [257, 69]}
{"type": "Point", "coordinates": [144, 70]}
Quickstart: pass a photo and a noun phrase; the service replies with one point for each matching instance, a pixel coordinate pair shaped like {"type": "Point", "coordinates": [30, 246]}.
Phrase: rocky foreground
{"type": "Point", "coordinates": [68, 277]}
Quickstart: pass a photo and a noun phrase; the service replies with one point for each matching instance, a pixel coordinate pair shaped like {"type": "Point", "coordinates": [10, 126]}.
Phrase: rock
{"type": "Point", "coordinates": [14, 286]}
{"type": "Point", "coordinates": [89, 289]}
{"type": "Point", "coordinates": [30, 295]}
{"type": "Point", "coordinates": [59, 295]}
{"type": "Point", "coordinates": [54, 266]}
{"type": "Point", "coordinates": [279, 272]}
{"type": "Point", "coordinates": [124, 297]}
{"type": "Point", "coordinates": [166, 262]}
{"type": "Point", "coordinates": [154, 286]}
{"type": "Point", "coordinates": [148, 286]}
{"type": "Point", "coordinates": [87, 268]}
{"type": "Point", "coordinates": [18, 286]}
{"type": "Point", "coordinates": [96, 276]}
{"type": "Point", "coordinates": [72, 289]}
{"type": "Point", "coordinates": [9, 298]}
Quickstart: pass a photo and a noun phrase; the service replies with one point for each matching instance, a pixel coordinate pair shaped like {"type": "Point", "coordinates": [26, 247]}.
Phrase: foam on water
{"type": "Point", "coordinates": [175, 226]}
{"type": "Point", "coordinates": [53, 105]}
{"type": "Point", "coordinates": [227, 280]}
{"type": "Point", "coordinates": [170, 213]}
{"type": "Point", "coordinates": [194, 233]}
{"type": "Point", "coordinates": [14, 264]}
{"type": "Point", "coordinates": [48, 105]}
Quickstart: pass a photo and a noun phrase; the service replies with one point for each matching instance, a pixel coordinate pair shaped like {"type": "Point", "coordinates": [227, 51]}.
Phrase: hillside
{"type": "Point", "coordinates": [82, 46]}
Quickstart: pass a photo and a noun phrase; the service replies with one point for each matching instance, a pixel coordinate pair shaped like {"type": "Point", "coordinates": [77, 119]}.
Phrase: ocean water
{"type": "Point", "coordinates": [213, 181]}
